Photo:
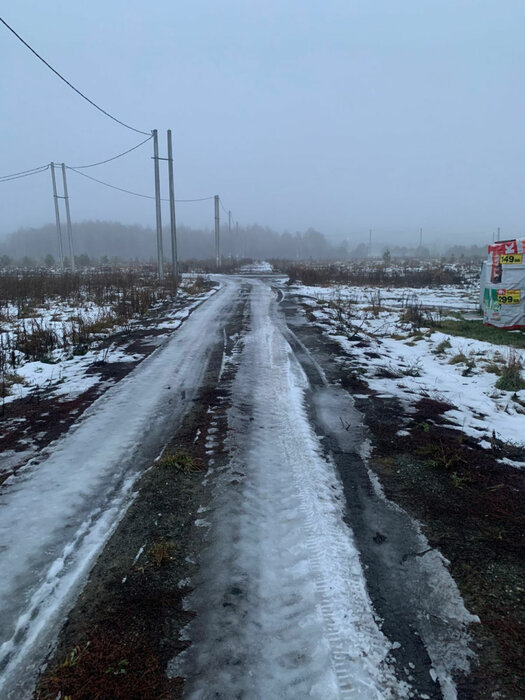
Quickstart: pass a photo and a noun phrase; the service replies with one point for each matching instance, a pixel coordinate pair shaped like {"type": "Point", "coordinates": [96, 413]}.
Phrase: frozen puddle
{"type": "Point", "coordinates": [282, 608]}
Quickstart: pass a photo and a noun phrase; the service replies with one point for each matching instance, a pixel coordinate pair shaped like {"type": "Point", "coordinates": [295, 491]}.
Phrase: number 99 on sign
{"type": "Point", "coordinates": [509, 296]}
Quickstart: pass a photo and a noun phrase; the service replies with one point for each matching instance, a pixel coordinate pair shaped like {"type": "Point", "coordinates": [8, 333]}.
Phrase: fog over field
{"type": "Point", "coordinates": [96, 239]}
{"type": "Point", "coordinates": [337, 116]}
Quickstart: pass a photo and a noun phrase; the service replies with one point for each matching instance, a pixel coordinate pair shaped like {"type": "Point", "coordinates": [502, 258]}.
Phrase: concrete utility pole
{"type": "Point", "coordinates": [370, 243]}
{"type": "Point", "coordinates": [57, 217]}
{"type": "Point", "coordinates": [420, 237]}
{"type": "Point", "coordinates": [160, 256]}
{"type": "Point", "coordinates": [237, 238]}
{"type": "Point", "coordinates": [173, 225]}
{"type": "Point", "coordinates": [230, 232]}
{"type": "Point", "coordinates": [68, 220]}
{"type": "Point", "coordinates": [217, 244]}
{"type": "Point", "coordinates": [499, 233]}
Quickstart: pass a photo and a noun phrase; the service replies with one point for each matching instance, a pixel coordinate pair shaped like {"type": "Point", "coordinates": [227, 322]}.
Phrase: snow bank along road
{"type": "Point", "coordinates": [286, 606]}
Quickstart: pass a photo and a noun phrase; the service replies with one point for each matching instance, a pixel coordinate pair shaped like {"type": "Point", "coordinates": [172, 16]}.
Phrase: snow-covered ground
{"type": "Point", "coordinates": [63, 373]}
{"type": "Point", "coordinates": [257, 267]}
{"type": "Point", "coordinates": [397, 360]}
{"type": "Point", "coordinates": [58, 510]}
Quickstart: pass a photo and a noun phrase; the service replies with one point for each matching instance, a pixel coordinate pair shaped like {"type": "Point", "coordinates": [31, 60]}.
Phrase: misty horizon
{"type": "Point", "coordinates": [343, 117]}
{"type": "Point", "coordinates": [105, 239]}
{"type": "Point", "coordinates": [380, 237]}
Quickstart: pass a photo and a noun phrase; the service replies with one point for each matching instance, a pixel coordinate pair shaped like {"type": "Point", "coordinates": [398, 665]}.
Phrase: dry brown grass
{"type": "Point", "coordinates": [114, 664]}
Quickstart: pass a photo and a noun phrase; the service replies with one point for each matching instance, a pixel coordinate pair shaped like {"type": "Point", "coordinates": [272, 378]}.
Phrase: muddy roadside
{"type": "Point", "coordinates": [129, 620]}
{"type": "Point", "coordinates": [469, 505]}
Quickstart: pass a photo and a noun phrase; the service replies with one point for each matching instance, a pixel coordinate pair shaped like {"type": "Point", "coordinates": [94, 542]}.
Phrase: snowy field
{"type": "Point", "coordinates": [389, 335]}
{"type": "Point", "coordinates": [63, 370]}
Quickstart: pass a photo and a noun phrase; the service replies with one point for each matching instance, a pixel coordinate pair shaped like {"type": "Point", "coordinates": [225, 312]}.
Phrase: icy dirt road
{"type": "Point", "coordinates": [288, 593]}
{"type": "Point", "coordinates": [56, 514]}
{"type": "Point", "coordinates": [282, 602]}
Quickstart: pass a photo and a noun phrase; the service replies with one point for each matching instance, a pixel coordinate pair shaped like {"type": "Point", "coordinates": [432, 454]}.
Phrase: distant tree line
{"type": "Point", "coordinates": [94, 240]}
{"type": "Point", "coordinates": [108, 242]}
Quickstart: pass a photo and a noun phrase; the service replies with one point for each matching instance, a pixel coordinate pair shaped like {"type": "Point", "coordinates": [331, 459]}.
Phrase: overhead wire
{"type": "Point", "coordinates": [138, 131]}
{"type": "Point", "coordinates": [227, 212]}
{"type": "Point", "coordinates": [35, 171]}
{"type": "Point", "coordinates": [27, 174]}
{"type": "Point", "coordinates": [114, 187]}
{"type": "Point", "coordinates": [41, 168]}
{"type": "Point", "coordinates": [108, 160]}
{"type": "Point", "coordinates": [222, 205]}
{"type": "Point", "coordinates": [136, 194]}
{"type": "Point", "coordinates": [31, 171]}
{"type": "Point", "coordinates": [198, 199]}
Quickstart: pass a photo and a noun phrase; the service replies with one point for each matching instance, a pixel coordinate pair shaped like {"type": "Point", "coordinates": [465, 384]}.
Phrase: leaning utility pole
{"type": "Point", "coordinates": [57, 216]}
{"type": "Point", "coordinates": [173, 225]}
{"type": "Point", "coordinates": [217, 246]}
{"type": "Point", "coordinates": [68, 220]}
{"type": "Point", "coordinates": [160, 256]}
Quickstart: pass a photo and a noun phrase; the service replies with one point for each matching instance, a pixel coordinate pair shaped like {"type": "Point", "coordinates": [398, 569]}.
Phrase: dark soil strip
{"type": "Point", "coordinates": [471, 508]}
{"type": "Point", "coordinates": [127, 623]}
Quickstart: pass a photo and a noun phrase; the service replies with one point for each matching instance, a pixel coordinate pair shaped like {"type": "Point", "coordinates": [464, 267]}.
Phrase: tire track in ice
{"type": "Point", "coordinates": [282, 609]}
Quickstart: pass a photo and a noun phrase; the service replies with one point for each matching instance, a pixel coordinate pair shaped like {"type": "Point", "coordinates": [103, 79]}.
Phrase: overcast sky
{"type": "Point", "coordinates": [342, 115]}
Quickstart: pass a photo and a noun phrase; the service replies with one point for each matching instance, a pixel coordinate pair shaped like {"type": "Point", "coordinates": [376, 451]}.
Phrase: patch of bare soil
{"type": "Point", "coordinates": [471, 509]}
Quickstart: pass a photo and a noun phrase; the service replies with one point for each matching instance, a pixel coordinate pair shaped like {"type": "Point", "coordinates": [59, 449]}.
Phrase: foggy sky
{"type": "Point", "coordinates": [342, 115]}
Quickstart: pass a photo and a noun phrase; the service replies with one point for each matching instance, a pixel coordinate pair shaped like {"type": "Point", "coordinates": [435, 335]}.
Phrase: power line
{"type": "Point", "coordinates": [114, 187]}
{"type": "Point", "coordinates": [28, 174]}
{"type": "Point", "coordinates": [199, 199]}
{"type": "Point", "coordinates": [222, 205]}
{"type": "Point", "coordinates": [41, 168]}
{"type": "Point", "coordinates": [24, 172]}
{"type": "Point", "coordinates": [136, 194]}
{"type": "Point", "coordinates": [70, 84]}
{"type": "Point", "coordinates": [108, 160]}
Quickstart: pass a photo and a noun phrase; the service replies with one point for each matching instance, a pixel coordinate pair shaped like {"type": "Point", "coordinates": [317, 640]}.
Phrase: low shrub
{"type": "Point", "coordinates": [180, 461]}
{"type": "Point", "coordinates": [441, 347]}
{"type": "Point", "coordinates": [459, 358]}
{"type": "Point", "coordinates": [511, 379]}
